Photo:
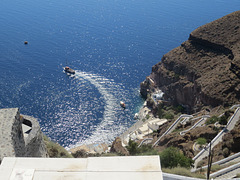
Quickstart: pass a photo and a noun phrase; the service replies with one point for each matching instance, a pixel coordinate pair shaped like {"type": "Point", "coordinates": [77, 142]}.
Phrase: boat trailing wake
{"type": "Point", "coordinates": [112, 123]}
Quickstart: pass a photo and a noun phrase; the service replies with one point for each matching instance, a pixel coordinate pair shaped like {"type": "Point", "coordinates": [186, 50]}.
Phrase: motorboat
{"type": "Point", "coordinates": [69, 70]}
{"type": "Point", "coordinates": [136, 116]}
{"type": "Point", "coordinates": [122, 104]}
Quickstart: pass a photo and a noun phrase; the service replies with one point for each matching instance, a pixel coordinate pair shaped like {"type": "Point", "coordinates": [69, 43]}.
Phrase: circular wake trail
{"type": "Point", "coordinates": [110, 126]}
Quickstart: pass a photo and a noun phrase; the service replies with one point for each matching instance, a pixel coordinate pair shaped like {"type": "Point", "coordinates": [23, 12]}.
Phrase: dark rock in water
{"type": "Point", "coordinates": [118, 148]}
{"type": "Point", "coordinates": [204, 70]}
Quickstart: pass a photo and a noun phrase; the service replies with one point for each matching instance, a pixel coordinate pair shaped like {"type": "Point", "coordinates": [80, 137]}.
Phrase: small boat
{"type": "Point", "coordinates": [69, 70]}
{"type": "Point", "coordinates": [136, 116]}
{"type": "Point", "coordinates": [122, 104]}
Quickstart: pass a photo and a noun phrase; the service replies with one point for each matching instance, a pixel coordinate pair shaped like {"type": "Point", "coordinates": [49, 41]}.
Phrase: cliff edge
{"type": "Point", "coordinates": [204, 70]}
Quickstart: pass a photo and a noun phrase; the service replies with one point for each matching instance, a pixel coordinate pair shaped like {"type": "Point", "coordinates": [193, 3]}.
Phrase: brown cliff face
{"type": "Point", "coordinates": [204, 70]}
{"type": "Point", "coordinates": [230, 144]}
{"type": "Point", "coordinates": [118, 148]}
{"type": "Point", "coordinates": [186, 142]}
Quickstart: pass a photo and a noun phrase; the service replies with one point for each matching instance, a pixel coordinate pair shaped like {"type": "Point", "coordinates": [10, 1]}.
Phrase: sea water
{"type": "Point", "coordinates": [112, 45]}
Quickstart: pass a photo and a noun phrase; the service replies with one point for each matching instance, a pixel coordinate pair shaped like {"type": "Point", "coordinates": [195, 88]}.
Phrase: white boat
{"type": "Point", "coordinates": [136, 116]}
{"type": "Point", "coordinates": [122, 104]}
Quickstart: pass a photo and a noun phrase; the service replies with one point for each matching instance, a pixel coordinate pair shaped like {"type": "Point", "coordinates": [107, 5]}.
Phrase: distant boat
{"type": "Point", "coordinates": [69, 70]}
{"type": "Point", "coordinates": [122, 104]}
{"type": "Point", "coordinates": [136, 116]}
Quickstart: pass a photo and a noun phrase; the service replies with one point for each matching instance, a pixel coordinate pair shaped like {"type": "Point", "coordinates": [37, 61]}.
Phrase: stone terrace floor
{"type": "Point", "coordinates": [105, 168]}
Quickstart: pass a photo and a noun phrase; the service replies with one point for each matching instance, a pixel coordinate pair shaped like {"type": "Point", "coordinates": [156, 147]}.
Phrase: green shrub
{"type": "Point", "coordinates": [212, 120]}
{"type": "Point", "coordinates": [80, 154]}
{"type": "Point", "coordinates": [223, 120]}
{"type": "Point", "coordinates": [179, 109]}
{"type": "Point", "coordinates": [201, 141]}
{"type": "Point", "coordinates": [228, 113]}
{"type": "Point", "coordinates": [168, 115]}
{"type": "Point", "coordinates": [55, 150]}
{"type": "Point", "coordinates": [172, 157]}
{"type": "Point", "coordinates": [147, 116]}
{"type": "Point", "coordinates": [183, 172]}
{"type": "Point", "coordinates": [160, 113]}
{"type": "Point", "coordinates": [132, 147]}
{"type": "Point", "coordinates": [160, 110]}
{"type": "Point", "coordinates": [145, 149]}
{"type": "Point", "coordinates": [226, 152]}
{"type": "Point", "coordinates": [216, 128]}
{"type": "Point", "coordinates": [150, 101]}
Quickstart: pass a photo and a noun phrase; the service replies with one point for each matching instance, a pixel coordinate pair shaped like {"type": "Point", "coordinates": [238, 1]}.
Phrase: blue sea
{"type": "Point", "coordinates": [112, 45]}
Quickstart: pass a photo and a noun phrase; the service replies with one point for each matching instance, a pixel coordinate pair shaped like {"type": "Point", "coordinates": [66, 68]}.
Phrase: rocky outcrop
{"type": "Point", "coordinates": [20, 135]}
{"type": "Point", "coordinates": [11, 136]}
{"type": "Point", "coordinates": [34, 142]}
{"type": "Point", "coordinates": [204, 70]}
{"type": "Point", "coordinates": [118, 148]}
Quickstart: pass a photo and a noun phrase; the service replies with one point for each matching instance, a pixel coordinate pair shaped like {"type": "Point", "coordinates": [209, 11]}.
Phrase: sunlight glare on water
{"type": "Point", "coordinates": [112, 45]}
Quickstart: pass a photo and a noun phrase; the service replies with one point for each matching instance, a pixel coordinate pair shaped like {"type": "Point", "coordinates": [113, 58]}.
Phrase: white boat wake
{"type": "Point", "coordinates": [110, 126]}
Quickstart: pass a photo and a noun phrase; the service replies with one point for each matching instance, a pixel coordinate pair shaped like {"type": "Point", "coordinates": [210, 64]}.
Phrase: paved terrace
{"type": "Point", "coordinates": [106, 168]}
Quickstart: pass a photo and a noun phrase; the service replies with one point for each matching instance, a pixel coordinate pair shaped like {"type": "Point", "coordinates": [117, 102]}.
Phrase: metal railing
{"type": "Point", "coordinates": [196, 124]}
{"type": "Point", "coordinates": [218, 135]}
{"type": "Point", "coordinates": [170, 128]}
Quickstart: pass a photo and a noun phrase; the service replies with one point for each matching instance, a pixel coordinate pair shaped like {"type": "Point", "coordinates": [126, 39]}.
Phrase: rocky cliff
{"type": "Point", "coordinates": [204, 70]}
